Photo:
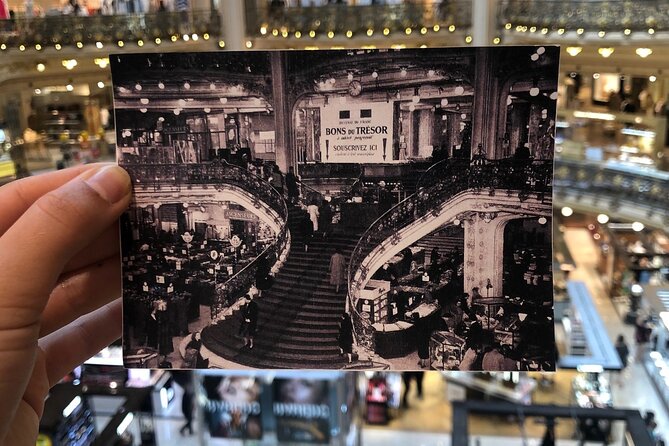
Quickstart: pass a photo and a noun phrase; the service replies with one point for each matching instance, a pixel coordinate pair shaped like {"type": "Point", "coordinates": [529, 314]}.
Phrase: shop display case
{"type": "Point", "coordinates": [374, 301]}
{"type": "Point", "coordinates": [278, 408]}
{"type": "Point", "coordinates": [67, 418]}
{"type": "Point", "coordinates": [591, 389]}
{"type": "Point", "coordinates": [446, 350]}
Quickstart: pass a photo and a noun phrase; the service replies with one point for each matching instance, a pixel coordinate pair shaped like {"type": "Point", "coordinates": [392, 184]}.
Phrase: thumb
{"type": "Point", "coordinates": [56, 227]}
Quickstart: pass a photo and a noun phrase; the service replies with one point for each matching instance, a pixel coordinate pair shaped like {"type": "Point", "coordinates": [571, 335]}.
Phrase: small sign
{"type": "Point", "coordinates": [160, 279]}
{"type": "Point", "coordinates": [234, 214]}
{"type": "Point", "coordinates": [178, 265]}
{"type": "Point", "coordinates": [235, 241]}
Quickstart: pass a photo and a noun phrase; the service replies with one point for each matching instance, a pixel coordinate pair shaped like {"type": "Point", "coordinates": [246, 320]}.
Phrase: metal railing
{"type": "Point", "coordinates": [264, 19]}
{"type": "Point", "coordinates": [446, 179]}
{"type": "Point", "coordinates": [591, 15]}
{"type": "Point", "coordinates": [68, 30]}
{"type": "Point", "coordinates": [650, 191]}
{"type": "Point", "coordinates": [218, 173]}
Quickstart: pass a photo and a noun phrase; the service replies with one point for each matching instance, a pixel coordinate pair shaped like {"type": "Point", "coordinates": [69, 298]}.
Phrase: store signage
{"type": "Point", "coordinates": [357, 133]}
{"type": "Point", "coordinates": [233, 214]}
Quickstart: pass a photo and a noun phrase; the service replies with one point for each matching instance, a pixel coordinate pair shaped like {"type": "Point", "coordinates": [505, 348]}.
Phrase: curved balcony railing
{"type": "Point", "coordinates": [445, 180]}
{"type": "Point", "coordinates": [582, 177]}
{"type": "Point", "coordinates": [591, 15]}
{"type": "Point", "coordinates": [264, 20]}
{"type": "Point", "coordinates": [108, 29]}
{"type": "Point", "coordinates": [212, 174]}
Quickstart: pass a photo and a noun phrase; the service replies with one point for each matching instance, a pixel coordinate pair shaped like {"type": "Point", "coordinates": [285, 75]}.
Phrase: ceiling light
{"type": "Point", "coordinates": [143, 110]}
{"type": "Point", "coordinates": [468, 39]}
{"type": "Point", "coordinates": [38, 91]}
{"type": "Point", "coordinates": [298, 34]}
{"type": "Point", "coordinates": [187, 85]}
{"type": "Point", "coordinates": [80, 45]}
{"type": "Point", "coordinates": [652, 78]}
{"type": "Point", "coordinates": [195, 37]}
{"type": "Point", "coordinates": [651, 31]}
{"type": "Point", "coordinates": [120, 44]}
{"type": "Point", "coordinates": [102, 62]}
{"type": "Point", "coordinates": [41, 67]}
{"type": "Point", "coordinates": [58, 47]}
{"type": "Point", "coordinates": [643, 52]}
{"type": "Point", "coordinates": [248, 44]}
{"type": "Point", "coordinates": [207, 109]}
{"type": "Point", "coordinates": [138, 87]}
{"type": "Point", "coordinates": [407, 31]}
{"type": "Point", "coordinates": [99, 45]}
{"type": "Point", "coordinates": [627, 31]}
{"type": "Point", "coordinates": [38, 47]}
{"type": "Point", "coordinates": [451, 28]}
{"type": "Point", "coordinates": [459, 90]}
{"type": "Point", "coordinates": [370, 32]}
{"type": "Point", "coordinates": [375, 74]}
{"type": "Point", "coordinates": [637, 226]}
{"type": "Point", "coordinates": [436, 28]}
{"type": "Point", "coordinates": [580, 31]}
{"type": "Point", "coordinates": [140, 43]}
{"type": "Point", "coordinates": [574, 51]}
{"type": "Point", "coordinates": [567, 211]}
{"type": "Point", "coordinates": [386, 31]}
{"type": "Point", "coordinates": [595, 76]}
{"type": "Point", "coordinates": [69, 87]}
{"type": "Point", "coordinates": [223, 100]}
{"type": "Point", "coordinates": [161, 85]}
{"type": "Point", "coordinates": [69, 63]}
{"type": "Point", "coordinates": [601, 34]}
{"type": "Point", "coordinates": [542, 220]}
{"type": "Point", "coordinates": [605, 52]}
{"type": "Point", "coordinates": [603, 219]}
{"type": "Point", "coordinates": [158, 41]}
{"type": "Point", "coordinates": [444, 102]}
{"type": "Point", "coordinates": [263, 30]}
{"type": "Point", "coordinates": [101, 84]}
{"type": "Point", "coordinates": [144, 101]}
{"type": "Point", "coordinates": [221, 44]}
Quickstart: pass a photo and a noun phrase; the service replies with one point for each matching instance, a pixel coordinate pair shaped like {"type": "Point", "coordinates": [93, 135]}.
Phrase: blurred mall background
{"type": "Point", "coordinates": [610, 217]}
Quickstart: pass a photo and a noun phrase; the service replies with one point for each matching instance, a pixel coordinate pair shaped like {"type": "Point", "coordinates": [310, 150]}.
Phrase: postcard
{"type": "Point", "coordinates": [349, 209]}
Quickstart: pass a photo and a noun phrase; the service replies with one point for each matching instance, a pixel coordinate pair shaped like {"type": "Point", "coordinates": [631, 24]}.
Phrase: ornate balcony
{"type": "Point", "coordinates": [443, 181]}
{"type": "Point", "coordinates": [43, 32]}
{"type": "Point", "coordinates": [583, 16]}
{"type": "Point", "coordinates": [182, 177]}
{"type": "Point", "coordinates": [370, 20]}
{"type": "Point", "coordinates": [597, 187]}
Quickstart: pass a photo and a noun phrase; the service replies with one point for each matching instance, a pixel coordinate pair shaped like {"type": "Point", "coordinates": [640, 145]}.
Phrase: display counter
{"type": "Point", "coordinates": [398, 339]}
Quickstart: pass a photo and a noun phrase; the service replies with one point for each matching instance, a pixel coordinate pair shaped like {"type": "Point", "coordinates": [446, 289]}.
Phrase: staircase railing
{"type": "Point", "coordinates": [218, 173]}
{"type": "Point", "coordinates": [521, 177]}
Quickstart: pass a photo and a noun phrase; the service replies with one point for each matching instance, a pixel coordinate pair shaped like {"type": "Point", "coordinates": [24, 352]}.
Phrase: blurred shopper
{"type": "Point", "coordinates": [314, 213]}
{"type": "Point", "coordinates": [345, 337]}
{"type": "Point", "coordinates": [249, 321]}
{"type": "Point", "coordinates": [292, 185]}
{"type": "Point", "coordinates": [623, 353]}
{"type": "Point", "coordinates": [408, 378]}
{"type": "Point", "coordinates": [307, 229]}
{"type": "Point", "coordinates": [325, 218]}
{"type": "Point", "coordinates": [337, 269]}
{"type": "Point", "coordinates": [277, 179]}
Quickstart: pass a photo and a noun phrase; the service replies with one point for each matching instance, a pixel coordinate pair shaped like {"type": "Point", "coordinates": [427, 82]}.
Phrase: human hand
{"type": "Point", "coordinates": [60, 283]}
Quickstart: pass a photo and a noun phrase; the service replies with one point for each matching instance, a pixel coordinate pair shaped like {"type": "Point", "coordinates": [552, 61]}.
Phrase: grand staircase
{"type": "Point", "coordinates": [298, 316]}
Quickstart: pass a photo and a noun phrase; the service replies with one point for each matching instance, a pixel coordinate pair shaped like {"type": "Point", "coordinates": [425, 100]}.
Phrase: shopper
{"type": "Point", "coordinates": [423, 334]}
{"type": "Point", "coordinates": [345, 337]}
{"type": "Point", "coordinates": [408, 378]}
{"type": "Point", "coordinates": [249, 321]}
{"type": "Point", "coordinates": [58, 230]}
{"type": "Point", "coordinates": [277, 179]}
{"type": "Point", "coordinates": [337, 269]}
{"type": "Point", "coordinates": [312, 209]}
{"type": "Point", "coordinates": [325, 218]}
{"type": "Point", "coordinates": [623, 354]}
{"type": "Point", "coordinates": [292, 185]}
{"type": "Point", "coordinates": [307, 229]}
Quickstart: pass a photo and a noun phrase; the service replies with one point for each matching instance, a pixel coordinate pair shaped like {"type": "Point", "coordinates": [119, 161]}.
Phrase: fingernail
{"type": "Point", "coordinates": [111, 183]}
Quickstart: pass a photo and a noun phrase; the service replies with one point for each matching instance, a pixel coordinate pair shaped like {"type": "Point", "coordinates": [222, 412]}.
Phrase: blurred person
{"type": "Point", "coordinates": [292, 186]}
{"type": "Point", "coordinates": [345, 336]}
{"type": "Point", "coordinates": [337, 269]}
{"type": "Point", "coordinates": [407, 379]}
{"type": "Point", "coordinates": [314, 213]}
{"type": "Point", "coordinates": [623, 353]}
{"type": "Point", "coordinates": [249, 321]}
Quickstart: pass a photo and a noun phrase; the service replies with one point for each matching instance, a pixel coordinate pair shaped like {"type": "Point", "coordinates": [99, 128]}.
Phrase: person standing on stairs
{"type": "Point", "coordinates": [292, 186]}
{"type": "Point", "coordinates": [325, 218]}
{"type": "Point", "coordinates": [307, 229]}
{"type": "Point", "coordinates": [312, 209]}
{"type": "Point", "coordinates": [337, 269]}
{"type": "Point", "coordinates": [277, 179]}
{"type": "Point", "coordinates": [345, 337]}
{"type": "Point", "coordinates": [249, 321]}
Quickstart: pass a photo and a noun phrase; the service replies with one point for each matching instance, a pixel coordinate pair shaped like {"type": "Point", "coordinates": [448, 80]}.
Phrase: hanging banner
{"type": "Point", "coordinates": [357, 133]}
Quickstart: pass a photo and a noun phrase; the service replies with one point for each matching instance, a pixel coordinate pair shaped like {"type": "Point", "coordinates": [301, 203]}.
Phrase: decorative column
{"type": "Point", "coordinates": [483, 21]}
{"type": "Point", "coordinates": [484, 251]}
{"type": "Point", "coordinates": [283, 121]}
{"type": "Point", "coordinates": [486, 105]}
{"type": "Point", "coordinates": [233, 24]}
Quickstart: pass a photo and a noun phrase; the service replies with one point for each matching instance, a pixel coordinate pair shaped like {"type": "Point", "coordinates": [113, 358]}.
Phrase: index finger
{"type": "Point", "coordinates": [16, 197]}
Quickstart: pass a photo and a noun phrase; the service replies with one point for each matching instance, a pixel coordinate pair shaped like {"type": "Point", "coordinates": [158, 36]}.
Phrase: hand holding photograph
{"type": "Point", "coordinates": [353, 209]}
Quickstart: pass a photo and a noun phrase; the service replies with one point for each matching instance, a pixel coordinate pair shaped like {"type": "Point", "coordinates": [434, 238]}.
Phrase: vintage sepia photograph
{"type": "Point", "coordinates": [348, 209]}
